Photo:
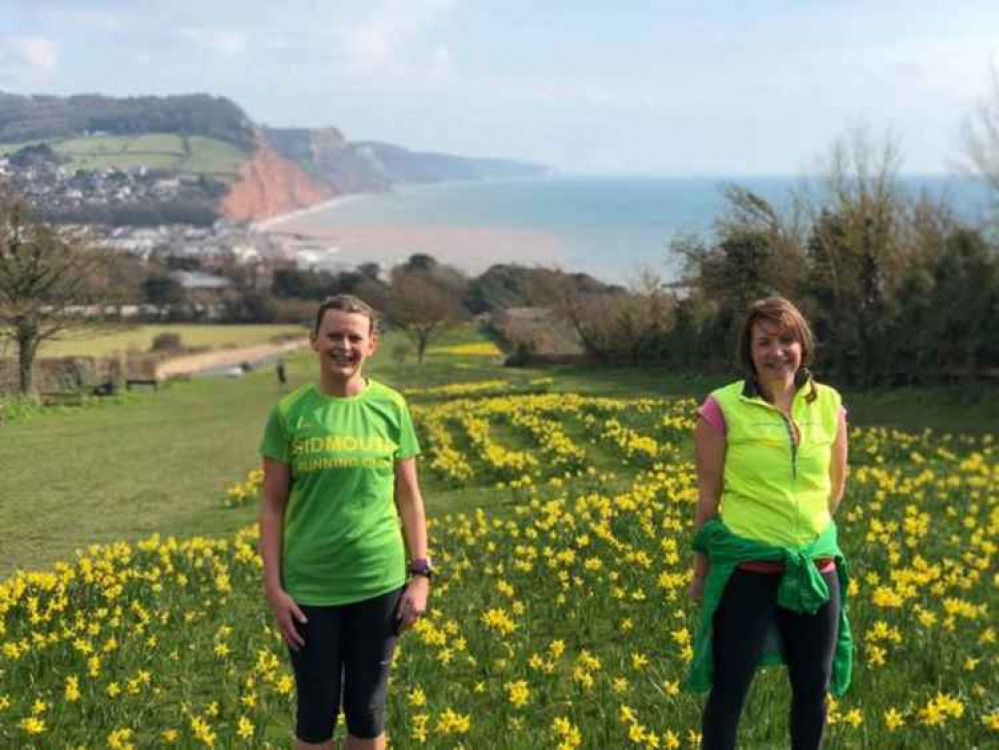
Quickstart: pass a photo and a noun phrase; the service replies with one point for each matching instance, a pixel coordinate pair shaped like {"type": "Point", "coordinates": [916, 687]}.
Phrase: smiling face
{"type": "Point", "coordinates": [775, 350]}
{"type": "Point", "coordinates": [343, 341]}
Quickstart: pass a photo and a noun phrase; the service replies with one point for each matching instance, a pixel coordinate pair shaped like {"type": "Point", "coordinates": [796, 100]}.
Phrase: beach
{"type": "Point", "coordinates": [471, 248]}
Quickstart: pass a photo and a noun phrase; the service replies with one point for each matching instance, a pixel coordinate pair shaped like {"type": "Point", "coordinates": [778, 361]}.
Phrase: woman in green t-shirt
{"type": "Point", "coordinates": [339, 472]}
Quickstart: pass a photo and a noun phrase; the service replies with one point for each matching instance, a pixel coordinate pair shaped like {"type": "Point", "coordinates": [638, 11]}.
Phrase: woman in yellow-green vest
{"type": "Point", "coordinates": [771, 466]}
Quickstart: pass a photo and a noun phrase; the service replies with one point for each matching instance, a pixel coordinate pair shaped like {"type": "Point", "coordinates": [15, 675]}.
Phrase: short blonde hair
{"type": "Point", "coordinates": [347, 303]}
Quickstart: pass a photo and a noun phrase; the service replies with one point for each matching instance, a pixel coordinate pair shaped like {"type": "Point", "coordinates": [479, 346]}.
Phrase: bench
{"type": "Point", "coordinates": [131, 383]}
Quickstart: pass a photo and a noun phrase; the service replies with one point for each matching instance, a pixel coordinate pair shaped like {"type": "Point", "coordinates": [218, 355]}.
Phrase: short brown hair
{"type": "Point", "coordinates": [350, 304]}
{"type": "Point", "coordinates": [780, 312]}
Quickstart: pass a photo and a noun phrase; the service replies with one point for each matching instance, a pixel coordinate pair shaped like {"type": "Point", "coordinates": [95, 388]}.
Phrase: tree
{"type": "Point", "coordinates": [162, 291]}
{"type": "Point", "coordinates": [756, 251]}
{"type": "Point", "coordinates": [981, 134]}
{"type": "Point", "coordinates": [595, 313]}
{"type": "Point", "coordinates": [422, 307]}
{"type": "Point", "coordinates": [291, 282]}
{"type": "Point", "coordinates": [50, 281]}
{"type": "Point", "coordinates": [858, 250]}
{"type": "Point", "coordinates": [966, 304]}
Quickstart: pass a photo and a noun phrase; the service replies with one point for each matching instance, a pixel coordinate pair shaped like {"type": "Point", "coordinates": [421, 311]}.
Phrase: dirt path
{"type": "Point", "coordinates": [190, 364]}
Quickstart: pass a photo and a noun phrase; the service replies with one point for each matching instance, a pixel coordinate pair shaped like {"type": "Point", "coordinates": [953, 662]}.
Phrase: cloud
{"type": "Point", "coordinates": [379, 43]}
{"type": "Point", "coordinates": [224, 42]}
{"type": "Point", "coordinates": [442, 62]}
{"type": "Point", "coordinates": [28, 51]}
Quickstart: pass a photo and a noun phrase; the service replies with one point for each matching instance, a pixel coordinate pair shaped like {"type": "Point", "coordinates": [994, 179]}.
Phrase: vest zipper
{"type": "Point", "coordinates": [794, 465]}
{"type": "Point", "coordinates": [794, 446]}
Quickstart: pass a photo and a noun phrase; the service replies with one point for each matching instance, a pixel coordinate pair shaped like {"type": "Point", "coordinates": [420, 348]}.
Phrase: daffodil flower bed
{"type": "Point", "coordinates": [563, 623]}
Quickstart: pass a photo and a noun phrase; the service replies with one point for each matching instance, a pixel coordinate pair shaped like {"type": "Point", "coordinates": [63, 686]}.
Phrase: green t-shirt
{"type": "Point", "coordinates": [342, 541]}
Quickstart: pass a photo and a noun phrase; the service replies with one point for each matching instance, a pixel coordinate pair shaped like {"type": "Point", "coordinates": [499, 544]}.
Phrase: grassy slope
{"type": "Point", "coordinates": [159, 463]}
{"type": "Point", "coordinates": [121, 338]}
{"type": "Point", "coordinates": [163, 462]}
{"type": "Point", "coordinates": [154, 150]}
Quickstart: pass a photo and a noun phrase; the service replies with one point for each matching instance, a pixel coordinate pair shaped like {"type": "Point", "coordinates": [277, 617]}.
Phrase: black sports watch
{"type": "Point", "coordinates": [421, 566]}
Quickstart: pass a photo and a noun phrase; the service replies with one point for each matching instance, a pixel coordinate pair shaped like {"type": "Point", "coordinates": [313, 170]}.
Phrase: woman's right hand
{"type": "Point", "coordinates": [286, 612]}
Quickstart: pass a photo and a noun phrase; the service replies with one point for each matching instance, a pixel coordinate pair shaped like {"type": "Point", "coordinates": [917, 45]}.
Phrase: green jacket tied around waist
{"type": "Point", "coordinates": [801, 589]}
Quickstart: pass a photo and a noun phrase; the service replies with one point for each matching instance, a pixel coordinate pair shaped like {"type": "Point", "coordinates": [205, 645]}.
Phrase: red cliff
{"type": "Point", "coordinates": [269, 185]}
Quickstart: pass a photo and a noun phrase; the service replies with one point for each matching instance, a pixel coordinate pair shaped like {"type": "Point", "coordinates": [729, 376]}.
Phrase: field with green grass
{"type": "Point", "coordinates": [561, 503]}
{"type": "Point", "coordinates": [104, 341]}
{"type": "Point", "coordinates": [168, 151]}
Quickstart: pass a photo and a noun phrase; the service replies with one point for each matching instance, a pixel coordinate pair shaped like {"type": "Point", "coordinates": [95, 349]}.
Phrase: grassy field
{"type": "Point", "coordinates": [102, 342]}
{"type": "Point", "coordinates": [113, 472]}
{"type": "Point", "coordinates": [168, 151]}
{"type": "Point", "coordinates": [561, 504]}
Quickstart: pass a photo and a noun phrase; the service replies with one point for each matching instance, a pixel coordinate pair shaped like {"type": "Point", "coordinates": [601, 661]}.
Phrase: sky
{"type": "Point", "coordinates": [586, 86]}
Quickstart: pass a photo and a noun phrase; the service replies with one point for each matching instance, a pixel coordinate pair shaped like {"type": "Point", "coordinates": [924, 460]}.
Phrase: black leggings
{"type": "Point", "coordinates": [808, 642]}
{"type": "Point", "coordinates": [350, 646]}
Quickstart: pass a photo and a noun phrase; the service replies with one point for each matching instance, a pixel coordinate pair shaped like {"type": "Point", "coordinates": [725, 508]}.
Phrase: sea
{"type": "Point", "coordinates": [610, 227]}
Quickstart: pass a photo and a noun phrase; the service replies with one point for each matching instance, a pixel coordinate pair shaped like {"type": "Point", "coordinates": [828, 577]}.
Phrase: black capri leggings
{"type": "Point", "coordinates": [348, 651]}
{"type": "Point", "coordinates": [808, 642]}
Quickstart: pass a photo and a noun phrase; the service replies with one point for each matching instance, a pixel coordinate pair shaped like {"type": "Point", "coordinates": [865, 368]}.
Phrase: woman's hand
{"type": "Point", "coordinates": [413, 602]}
{"type": "Point", "coordinates": [287, 613]}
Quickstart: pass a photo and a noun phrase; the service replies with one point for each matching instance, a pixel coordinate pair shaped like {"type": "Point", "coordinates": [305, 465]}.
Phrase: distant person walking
{"type": "Point", "coordinates": [282, 376]}
{"type": "Point", "coordinates": [771, 466]}
{"type": "Point", "coordinates": [339, 472]}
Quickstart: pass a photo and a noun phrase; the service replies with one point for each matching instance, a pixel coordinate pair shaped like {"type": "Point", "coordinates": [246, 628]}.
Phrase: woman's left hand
{"type": "Point", "coordinates": [413, 602]}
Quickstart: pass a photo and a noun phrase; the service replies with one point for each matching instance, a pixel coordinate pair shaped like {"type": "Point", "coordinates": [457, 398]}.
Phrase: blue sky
{"type": "Point", "coordinates": [678, 88]}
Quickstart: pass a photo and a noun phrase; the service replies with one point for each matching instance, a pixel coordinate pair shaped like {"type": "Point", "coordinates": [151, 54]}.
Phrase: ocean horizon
{"type": "Point", "coordinates": [609, 227]}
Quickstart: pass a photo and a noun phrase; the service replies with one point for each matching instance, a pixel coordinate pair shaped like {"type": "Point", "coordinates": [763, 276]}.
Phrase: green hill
{"type": "Point", "coordinates": [39, 117]}
{"type": "Point", "coordinates": [167, 151]}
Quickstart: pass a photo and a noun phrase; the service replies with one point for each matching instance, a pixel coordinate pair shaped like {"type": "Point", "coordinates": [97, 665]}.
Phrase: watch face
{"type": "Point", "coordinates": [422, 567]}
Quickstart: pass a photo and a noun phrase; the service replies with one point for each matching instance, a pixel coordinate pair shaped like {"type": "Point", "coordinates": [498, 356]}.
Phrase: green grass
{"type": "Point", "coordinates": [165, 151]}
{"type": "Point", "coordinates": [918, 520]}
{"type": "Point", "coordinates": [162, 461]}
{"type": "Point", "coordinates": [104, 341]}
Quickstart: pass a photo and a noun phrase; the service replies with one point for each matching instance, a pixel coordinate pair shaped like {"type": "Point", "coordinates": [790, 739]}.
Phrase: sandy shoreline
{"type": "Point", "coordinates": [472, 249]}
{"type": "Point", "coordinates": [269, 224]}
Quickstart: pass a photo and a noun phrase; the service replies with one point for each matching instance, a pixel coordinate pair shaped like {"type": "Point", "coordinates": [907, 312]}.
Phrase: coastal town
{"type": "Point", "coordinates": [63, 192]}
{"type": "Point", "coordinates": [125, 211]}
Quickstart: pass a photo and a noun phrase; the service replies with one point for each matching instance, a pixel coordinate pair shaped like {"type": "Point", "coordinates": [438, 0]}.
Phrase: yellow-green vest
{"type": "Point", "coordinates": [773, 491]}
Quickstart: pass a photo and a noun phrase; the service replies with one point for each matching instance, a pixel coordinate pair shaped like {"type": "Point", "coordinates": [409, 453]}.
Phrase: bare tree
{"type": "Point", "coordinates": [981, 134]}
{"type": "Point", "coordinates": [50, 281]}
{"type": "Point", "coordinates": [613, 324]}
{"type": "Point", "coordinates": [422, 307]}
{"type": "Point", "coordinates": [582, 309]}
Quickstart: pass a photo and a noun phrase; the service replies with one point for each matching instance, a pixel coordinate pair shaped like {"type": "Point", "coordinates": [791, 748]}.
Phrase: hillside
{"type": "Point", "coordinates": [40, 117]}
{"type": "Point", "coordinates": [55, 150]}
{"type": "Point", "coordinates": [370, 166]}
{"type": "Point", "coordinates": [161, 151]}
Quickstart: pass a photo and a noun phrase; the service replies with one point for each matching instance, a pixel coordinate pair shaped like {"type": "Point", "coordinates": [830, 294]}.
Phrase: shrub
{"type": "Point", "coordinates": [166, 342]}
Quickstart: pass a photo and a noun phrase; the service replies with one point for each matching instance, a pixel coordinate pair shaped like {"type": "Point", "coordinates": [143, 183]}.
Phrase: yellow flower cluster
{"type": "Point", "coordinates": [558, 621]}
{"type": "Point", "coordinates": [459, 390]}
{"type": "Point", "coordinates": [247, 491]}
{"type": "Point", "coordinates": [474, 349]}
